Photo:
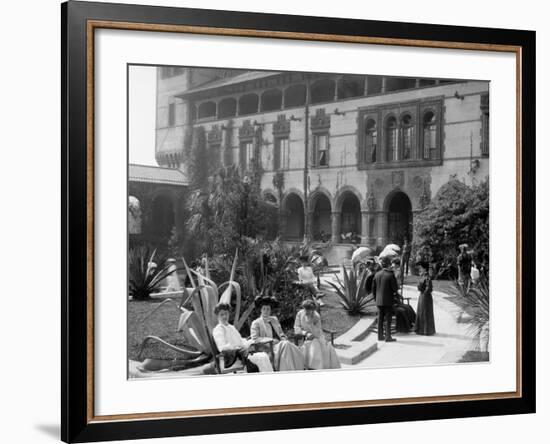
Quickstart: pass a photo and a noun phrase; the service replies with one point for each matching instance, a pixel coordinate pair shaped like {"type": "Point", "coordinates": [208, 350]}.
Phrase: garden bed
{"type": "Point", "coordinates": [164, 321]}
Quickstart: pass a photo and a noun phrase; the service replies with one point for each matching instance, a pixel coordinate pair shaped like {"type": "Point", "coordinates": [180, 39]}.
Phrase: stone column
{"type": "Point", "coordinates": [310, 227]}
{"type": "Point", "coordinates": [282, 223]}
{"type": "Point", "coordinates": [383, 88]}
{"type": "Point", "coordinates": [382, 217]}
{"type": "Point", "coordinates": [364, 226]}
{"type": "Point", "coordinates": [371, 233]}
{"type": "Point", "coordinates": [335, 224]}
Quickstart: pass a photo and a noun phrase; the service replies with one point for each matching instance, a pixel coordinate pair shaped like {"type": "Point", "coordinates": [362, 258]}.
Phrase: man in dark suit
{"type": "Point", "coordinates": [384, 288]}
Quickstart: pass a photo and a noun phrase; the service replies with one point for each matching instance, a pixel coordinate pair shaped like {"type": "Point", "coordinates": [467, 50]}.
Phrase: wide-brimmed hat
{"type": "Point", "coordinates": [309, 304]}
{"type": "Point", "coordinates": [266, 300]}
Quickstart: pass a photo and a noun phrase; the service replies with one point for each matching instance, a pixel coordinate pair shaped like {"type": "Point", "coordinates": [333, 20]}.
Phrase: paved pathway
{"type": "Point", "coordinates": [448, 345]}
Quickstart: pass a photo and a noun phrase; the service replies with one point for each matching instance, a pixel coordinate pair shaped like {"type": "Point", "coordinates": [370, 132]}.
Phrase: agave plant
{"type": "Point", "coordinates": [196, 324]}
{"type": "Point", "coordinates": [352, 293]}
{"type": "Point", "coordinates": [144, 280]}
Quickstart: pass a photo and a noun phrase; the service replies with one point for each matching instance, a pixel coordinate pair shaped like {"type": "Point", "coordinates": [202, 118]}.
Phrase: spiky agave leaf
{"type": "Point", "coordinates": [206, 280]}
{"type": "Point", "coordinates": [188, 271]}
{"type": "Point", "coordinates": [346, 286]}
{"type": "Point", "coordinates": [209, 299]}
{"type": "Point", "coordinates": [193, 332]}
{"type": "Point", "coordinates": [244, 316]}
{"type": "Point", "coordinates": [201, 327]}
{"type": "Point", "coordinates": [206, 268]}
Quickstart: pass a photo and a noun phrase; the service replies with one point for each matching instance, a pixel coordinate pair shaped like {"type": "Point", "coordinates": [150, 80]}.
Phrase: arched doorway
{"type": "Point", "coordinates": [399, 218]}
{"type": "Point", "coordinates": [163, 215]}
{"type": "Point", "coordinates": [320, 223]}
{"type": "Point", "coordinates": [350, 222]}
{"type": "Point", "coordinates": [294, 213]}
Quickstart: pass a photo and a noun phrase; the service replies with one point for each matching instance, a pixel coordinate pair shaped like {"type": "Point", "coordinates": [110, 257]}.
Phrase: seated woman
{"type": "Point", "coordinates": [319, 354]}
{"type": "Point", "coordinates": [405, 315]}
{"type": "Point", "coordinates": [307, 277]}
{"type": "Point", "coordinates": [287, 357]}
{"type": "Point", "coordinates": [232, 346]}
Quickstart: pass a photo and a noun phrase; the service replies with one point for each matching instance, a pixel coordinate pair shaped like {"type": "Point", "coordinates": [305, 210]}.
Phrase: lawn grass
{"type": "Point", "coordinates": [162, 323]}
{"type": "Point", "coordinates": [333, 316]}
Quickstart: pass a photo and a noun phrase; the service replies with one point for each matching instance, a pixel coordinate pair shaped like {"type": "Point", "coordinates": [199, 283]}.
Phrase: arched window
{"type": "Point", "coordinates": [227, 108]}
{"type": "Point", "coordinates": [371, 141]}
{"type": "Point", "coordinates": [248, 104]}
{"type": "Point", "coordinates": [391, 139]}
{"type": "Point", "coordinates": [323, 91]}
{"type": "Point", "coordinates": [271, 100]}
{"type": "Point", "coordinates": [429, 135]}
{"type": "Point", "coordinates": [408, 136]}
{"type": "Point", "coordinates": [207, 109]}
{"type": "Point", "coordinates": [351, 86]}
{"type": "Point", "coordinates": [295, 95]}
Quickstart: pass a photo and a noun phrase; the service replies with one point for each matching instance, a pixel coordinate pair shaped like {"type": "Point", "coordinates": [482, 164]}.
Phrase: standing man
{"type": "Point", "coordinates": [384, 288]}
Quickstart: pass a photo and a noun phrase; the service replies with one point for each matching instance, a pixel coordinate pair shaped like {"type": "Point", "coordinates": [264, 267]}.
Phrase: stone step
{"type": "Point", "coordinates": [357, 343]}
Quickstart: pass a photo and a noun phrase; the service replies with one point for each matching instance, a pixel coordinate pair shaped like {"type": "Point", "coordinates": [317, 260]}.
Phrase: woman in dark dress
{"type": "Point", "coordinates": [425, 324]}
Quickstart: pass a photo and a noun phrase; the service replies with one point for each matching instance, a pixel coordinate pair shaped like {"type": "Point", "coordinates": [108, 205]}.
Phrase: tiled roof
{"type": "Point", "coordinates": [241, 78]}
{"type": "Point", "coordinates": [154, 174]}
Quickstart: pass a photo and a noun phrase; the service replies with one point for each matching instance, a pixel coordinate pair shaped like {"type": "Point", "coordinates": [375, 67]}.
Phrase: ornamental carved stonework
{"type": "Point", "coordinates": [397, 179]}
{"type": "Point", "coordinates": [425, 197]}
{"type": "Point", "coordinates": [320, 121]}
{"type": "Point", "coordinates": [372, 203]}
{"type": "Point", "coordinates": [281, 126]}
{"type": "Point", "coordinates": [215, 135]}
{"type": "Point", "coordinates": [246, 131]}
{"type": "Point", "coordinates": [418, 182]}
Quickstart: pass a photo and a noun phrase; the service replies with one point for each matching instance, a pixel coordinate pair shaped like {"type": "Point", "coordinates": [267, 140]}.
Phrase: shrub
{"type": "Point", "coordinates": [458, 214]}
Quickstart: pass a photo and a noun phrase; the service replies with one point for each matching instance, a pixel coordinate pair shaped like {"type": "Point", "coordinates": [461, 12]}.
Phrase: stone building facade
{"type": "Point", "coordinates": [345, 157]}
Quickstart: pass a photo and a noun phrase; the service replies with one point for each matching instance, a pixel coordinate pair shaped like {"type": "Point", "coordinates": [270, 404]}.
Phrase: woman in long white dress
{"type": "Point", "coordinates": [287, 356]}
{"type": "Point", "coordinates": [232, 345]}
{"type": "Point", "coordinates": [318, 352]}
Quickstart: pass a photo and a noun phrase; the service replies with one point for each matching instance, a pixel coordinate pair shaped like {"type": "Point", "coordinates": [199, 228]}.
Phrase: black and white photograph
{"type": "Point", "coordinates": [283, 221]}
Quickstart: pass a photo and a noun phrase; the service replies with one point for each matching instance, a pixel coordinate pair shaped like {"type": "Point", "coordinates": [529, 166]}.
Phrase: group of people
{"type": "Point", "coordinates": [268, 348]}
{"type": "Point", "coordinates": [382, 282]}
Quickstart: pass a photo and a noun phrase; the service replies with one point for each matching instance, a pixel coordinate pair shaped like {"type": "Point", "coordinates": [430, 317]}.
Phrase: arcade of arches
{"type": "Point", "coordinates": [153, 212]}
{"type": "Point", "coordinates": [345, 221]}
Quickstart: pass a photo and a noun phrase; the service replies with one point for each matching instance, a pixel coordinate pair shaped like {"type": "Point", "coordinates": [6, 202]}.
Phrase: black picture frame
{"type": "Point", "coordinates": [76, 423]}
